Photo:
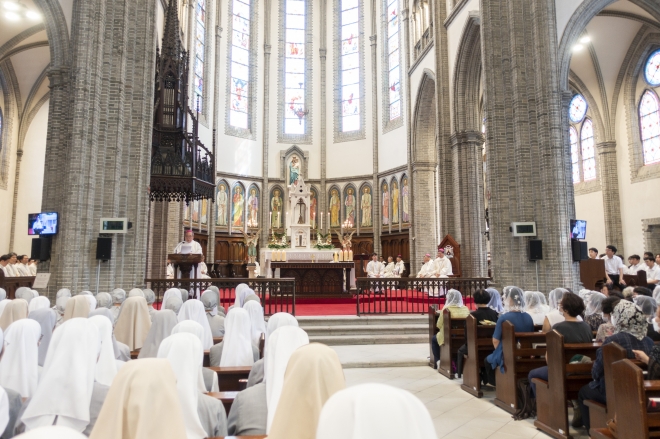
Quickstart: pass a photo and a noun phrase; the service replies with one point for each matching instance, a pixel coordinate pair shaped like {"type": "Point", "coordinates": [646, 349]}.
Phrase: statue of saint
{"type": "Point", "coordinates": [205, 209]}
{"type": "Point", "coordinates": [222, 205]}
{"type": "Point", "coordinates": [237, 203]}
{"type": "Point", "coordinates": [253, 208]}
{"type": "Point", "coordinates": [366, 208]}
{"type": "Point", "coordinates": [251, 240]}
{"type": "Point", "coordinates": [276, 209]}
{"type": "Point", "coordinates": [350, 206]}
{"type": "Point", "coordinates": [386, 205]}
{"type": "Point", "coordinates": [395, 203]}
{"type": "Point", "coordinates": [294, 170]}
{"type": "Point", "coordinates": [345, 240]}
{"type": "Point", "coordinates": [334, 208]}
{"type": "Point", "coordinates": [406, 199]}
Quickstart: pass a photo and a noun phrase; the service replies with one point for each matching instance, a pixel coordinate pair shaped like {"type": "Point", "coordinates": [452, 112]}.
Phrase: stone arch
{"type": "Point", "coordinates": [276, 222]}
{"type": "Point", "coordinates": [395, 220]}
{"type": "Point", "coordinates": [424, 125]}
{"type": "Point", "coordinates": [234, 221]}
{"type": "Point", "coordinates": [467, 77]}
{"type": "Point", "coordinates": [57, 31]}
{"type": "Point", "coordinates": [286, 155]}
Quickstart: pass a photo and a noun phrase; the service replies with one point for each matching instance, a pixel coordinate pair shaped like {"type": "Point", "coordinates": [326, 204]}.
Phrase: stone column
{"type": "Point", "coordinates": [528, 158]}
{"type": "Point", "coordinates": [414, 264]}
{"type": "Point", "coordinates": [100, 128]}
{"type": "Point", "coordinates": [376, 218]}
{"type": "Point", "coordinates": [323, 55]}
{"type": "Point", "coordinates": [609, 182]}
{"type": "Point", "coordinates": [469, 201]}
{"type": "Point", "coordinates": [265, 194]}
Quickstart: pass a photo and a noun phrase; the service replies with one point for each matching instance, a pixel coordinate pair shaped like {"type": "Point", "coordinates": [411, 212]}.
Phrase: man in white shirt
{"type": "Point", "coordinates": [593, 253]}
{"type": "Point", "coordinates": [614, 267]}
{"type": "Point", "coordinates": [4, 265]}
{"type": "Point", "coordinates": [32, 265]}
{"type": "Point", "coordinates": [652, 272]}
{"type": "Point", "coordinates": [442, 264]}
{"type": "Point", "coordinates": [635, 265]}
{"type": "Point", "coordinates": [11, 266]}
{"type": "Point", "coordinates": [428, 269]}
{"type": "Point", "coordinates": [400, 267]}
{"type": "Point", "coordinates": [21, 267]}
{"type": "Point", "coordinates": [375, 267]}
{"type": "Point", "coordinates": [389, 268]}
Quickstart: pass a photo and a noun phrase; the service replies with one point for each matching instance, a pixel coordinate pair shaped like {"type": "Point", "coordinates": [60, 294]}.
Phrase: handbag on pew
{"type": "Point", "coordinates": [526, 403]}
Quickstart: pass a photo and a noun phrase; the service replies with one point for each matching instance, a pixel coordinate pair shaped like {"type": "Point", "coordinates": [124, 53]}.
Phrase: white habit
{"type": "Point", "coordinates": [399, 269]}
{"type": "Point", "coordinates": [427, 270]}
{"type": "Point", "coordinates": [375, 269]}
{"type": "Point", "coordinates": [443, 267]}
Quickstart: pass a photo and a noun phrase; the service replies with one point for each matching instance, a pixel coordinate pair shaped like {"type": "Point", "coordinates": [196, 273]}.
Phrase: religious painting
{"type": "Point", "coordinates": [313, 208]}
{"type": "Point", "coordinates": [365, 207]}
{"type": "Point", "coordinates": [253, 207]}
{"type": "Point", "coordinates": [195, 211]}
{"type": "Point", "coordinates": [222, 203]}
{"type": "Point", "coordinates": [276, 209]}
{"type": "Point", "coordinates": [405, 200]}
{"type": "Point", "coordinates": [395, 201]}
{"type": "Point", "coordinates": [237, 203]}
{"type": "Point", "coordinates": [186, 212]}
{"type": "Point", "coordinates": [205, 210]}
{"type": "Point", "coordinates": [294, 170]}
{"type": "Point", "coordinates": [335, 207]}
{"type": "Point", "coordinates": [349, 206]}
{"type": "Point", "coordinates": [386, 204]}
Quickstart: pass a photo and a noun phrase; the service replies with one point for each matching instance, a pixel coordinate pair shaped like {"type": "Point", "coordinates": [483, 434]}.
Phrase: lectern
{"type": "Point", "coordinates": [185, 263]}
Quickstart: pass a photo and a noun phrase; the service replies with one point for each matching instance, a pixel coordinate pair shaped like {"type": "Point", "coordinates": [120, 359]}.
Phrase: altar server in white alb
{"type": "Point", "coordinates": [400, 266]}
{"type": "Point", "coordinates": [375, 268]}
{"type": "Point", "coordinates": [389, 268]}
{"type": "Point", "coordinates": [189, 246]}
{"type": "Point", "coordinates": [442, 265]}
{"type": "Point", "coordinates": [428, 269]}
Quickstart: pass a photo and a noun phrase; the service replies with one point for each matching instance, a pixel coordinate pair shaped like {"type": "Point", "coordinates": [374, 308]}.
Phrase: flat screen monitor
{"type": "Point", "coordinates": [578, 229]}
{"type": "Point", "coordinates": [45, 223]}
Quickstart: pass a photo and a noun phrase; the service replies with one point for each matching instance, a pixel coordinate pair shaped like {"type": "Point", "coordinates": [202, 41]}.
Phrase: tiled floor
{"type": "Point", "coordinates": [456, 414]}
{"type": "Point", "coordinates": [382, 355]}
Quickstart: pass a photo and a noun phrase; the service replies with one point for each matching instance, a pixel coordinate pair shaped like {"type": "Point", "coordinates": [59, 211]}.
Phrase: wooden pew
{"type": "Point", "coordinates": [454, 334]}
{"type": "Point", "coordinates": [227, 398]}
{"type": "Point", "coordinates": [564, 382]}
{"type": "Point", "coordinates": [518, 362]}
{"type": "Point", "coordinates": [433, 321]}
{"type": "Point", "coordinates": [480, 344]}
{"type": "Point", "coordinates": [205, 363]}
{"type": "Point", "coordinates": [631, 395]}
{"type": "Point", "coordinates": [599, 413]}
{"type": "Point", "coordinates": [228, 377]}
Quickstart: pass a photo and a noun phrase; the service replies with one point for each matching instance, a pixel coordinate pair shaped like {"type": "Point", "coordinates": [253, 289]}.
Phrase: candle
{"type": "Point", "coordinates": [350, 255]}
{"type": "Point", "coordinates": [270, 219]}
{"type": "Point", "coordinates": [321, 221]}
{"type": "Point", "coordinates": [283, 256]}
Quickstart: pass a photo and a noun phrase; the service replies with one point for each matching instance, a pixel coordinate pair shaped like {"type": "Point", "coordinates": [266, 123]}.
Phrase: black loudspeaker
{"type": "Point", "coordinates": [579, 250]}
{"type": "Point", "coordinates": [40, 249]}
{"type": "Point", "coordinates": [104, 248]}
{"type": "Point", "coordinates": [535, 250]}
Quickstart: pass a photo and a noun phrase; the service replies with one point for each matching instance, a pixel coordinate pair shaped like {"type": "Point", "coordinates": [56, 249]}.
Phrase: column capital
{"type": "Point", "coordinates": [405, 13]}
{"type": "Point", "coordinates": [58, 77]}
{"type": "Point", "coordinates": [267, 48]}
{"type": "Point", "coordinates": [608, 147]}
{"type": "Point", "coordinates": [470, 137]}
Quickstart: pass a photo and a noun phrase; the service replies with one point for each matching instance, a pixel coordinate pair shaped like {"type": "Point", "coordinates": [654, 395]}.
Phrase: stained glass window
{"type": "Point", "coordinates": [200, 44]}
{"type": "Point", "coordinates": [588, 152]}
{"type": "Point", "coordinates": [294, 66]}
{"type": "Point", "coordinates": [652, 70]}
{"type": "Point", "coordinates": [240, 64]}
{"type": "Point", "coordinates": [577, 109]}
{"type": "Point", "coordinates": [349, 65]}
{"type": "Point", "coordinates": [575, 155]}
{"type": "Point", "coordinates": [394, 74]}
{"type": "Point", "coordinates": [649, 122]}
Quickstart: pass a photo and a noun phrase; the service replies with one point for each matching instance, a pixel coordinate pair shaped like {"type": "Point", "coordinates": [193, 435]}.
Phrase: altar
{"type": "Point", "coordinates": [318, 279]}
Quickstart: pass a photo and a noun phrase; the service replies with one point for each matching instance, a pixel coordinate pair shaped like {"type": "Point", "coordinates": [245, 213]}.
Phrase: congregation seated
{"type": "Point", "coordinates": [483, 314]}
{"type": "Point", "coordinates": [534, 306]}
{"type": "Point", "coordinates": [257, 323]}
{"type": "Point", "coordinates": [216, 320]}
{"type": "Point", "coordinates": [593, 310]}
{"type": "Point", "coordinates": [193, 310]}
{"type": "Point", "coordinates": [453, 303]}
{"type": "Point", "coordinates": [648, 307]}
{"type": "Point", "coordinates": [607, 328]}
{"type": "Point", "coordinates": [572, 329]}
{"type": "Point", "coordinates": [554, 316]}
{"type": "Point", "coordinates": [236, 348]}
{"type": "Point", "coordinates": [209, 377]}
{"type": "Point", "coordinates": [161, 327]}
{"type": "Point", "coordinates": [121, 350]}
{"type": "Point", "coordinates": [495, 302]}
{"type": "Point", "coordinates": [514, 305]}
{"type": "Point", "coordinates": [630, 333]}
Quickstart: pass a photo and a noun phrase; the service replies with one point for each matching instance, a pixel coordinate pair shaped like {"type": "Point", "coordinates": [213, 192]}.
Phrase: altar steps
{"type": "Point", "coordinates": [366, 330]}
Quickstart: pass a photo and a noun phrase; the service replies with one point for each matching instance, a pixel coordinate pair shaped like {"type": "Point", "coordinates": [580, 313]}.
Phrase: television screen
{"type": "Point", "coordinates": [578, 229]}
{"type": "Point", "coordinates": [42, 223]}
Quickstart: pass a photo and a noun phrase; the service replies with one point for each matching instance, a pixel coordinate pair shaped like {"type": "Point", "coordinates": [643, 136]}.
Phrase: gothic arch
{"type": "Point", "coordinates": [424, 128]}
{"type": "Point", "coordinates": [373, 198]}
{"type": "Point", "coordinates": [57, 31]}
{"type": "Point", "coordinates": [218, 217]}
{"type": "Point", "coordinates": [284, 158]}
{"type": "Point", "coordinates": [351, 186]}
{"type": "Point", "coordinates": [467, 77]}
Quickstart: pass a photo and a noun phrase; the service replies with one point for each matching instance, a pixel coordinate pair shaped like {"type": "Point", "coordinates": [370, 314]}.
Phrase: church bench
{"type": "Point", "coordinates": [454, 334]}
{"type": "Point", "coordinates": [206, 362]}
{"type": "Point", "coordinates": [227, 398]}
{"type": "Point", "coordinates": [564, 382]}
{"type": "Point", "coordinates": [479, 339]}
{"type": "Point", "coordinates": [631, 393]}
{"type": "Point", "coordinates": [229, 377]}
{"type": "Point", "coordinates": [518, 362]}
{"type": "Point", "coordinates": [433, 321]}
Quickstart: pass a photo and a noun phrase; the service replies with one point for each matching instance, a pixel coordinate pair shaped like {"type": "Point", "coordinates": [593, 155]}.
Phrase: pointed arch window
{"type": "Point", "coordinates": [587, 150]}
{"type": "Point", "coordinates": [575, 154]}
{"type": "Point", "coordinates": [652, 69]}
{"type": "Point", "coordinates": [391, 64]}
{"type": "Point", "coordinates": [200, 48]}
{"type": "Point", "coordinates": [582, 142]}
{"type": "Point", "coordinates": [649, 123]}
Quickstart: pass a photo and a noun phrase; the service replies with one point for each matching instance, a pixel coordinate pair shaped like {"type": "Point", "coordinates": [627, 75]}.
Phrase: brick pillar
{"type": "Point", "coordinates": [528, 156]}
{"type": "Point", "coordinates": [609, 181]}
{"type": "Point", "coordinates": [469, 208]}
{"type": "Point", "coordinates": [99, 140]}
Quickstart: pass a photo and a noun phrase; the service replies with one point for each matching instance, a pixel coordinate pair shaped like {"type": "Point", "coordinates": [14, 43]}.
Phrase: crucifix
{"type": "Point", "coordinates": [301, 209]}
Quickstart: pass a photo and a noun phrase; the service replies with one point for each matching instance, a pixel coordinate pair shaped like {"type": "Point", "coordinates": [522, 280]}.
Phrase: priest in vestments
{"type": "Point", "coordinates": [189, 246]}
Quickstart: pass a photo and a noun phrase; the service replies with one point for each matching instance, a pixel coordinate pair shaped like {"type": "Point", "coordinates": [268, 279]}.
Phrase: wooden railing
{"type": "Point", "coordinates": [277, 295]}
{"type": "Point", "coordinates": [11, 284]}
{"type": "Point", "coordinates": [410, 295]}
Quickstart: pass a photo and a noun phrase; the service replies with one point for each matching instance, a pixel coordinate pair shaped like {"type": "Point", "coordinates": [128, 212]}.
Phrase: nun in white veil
{"type": "Point", "coordinates": [242, 291]}
{"type": "Point", "coordinates": [203, 415]}
{"type": "Point", "coordinates": [121, 350]}
{"type": "Point", "coordinates": [47, 319]}
{"type": "Point", "coordinates": [236, 348]}
{"type": "Point", "coordinates": [275, 322]}
{"type": "Point", "coordinates": [39, 302]}
{"type": "Point", "coordinates": [106, 366]}
{"type": "Point", "coordinates": [216, 321]}
{"type": "Point", "coordinates": [161, 327]}
{"type": "Point", "coordinates": [191, 327]}
{"type": "Point", "coordinates": [256, 320]}
{"type": "Point", "coordinates": [193, 310]}
{"type": "Point", "coordinates": [19, 367]}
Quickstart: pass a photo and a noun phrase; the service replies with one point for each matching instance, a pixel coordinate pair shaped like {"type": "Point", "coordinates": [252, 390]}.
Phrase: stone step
{"type": "Point", "coordinates": [342, 340]}
{"type": "Point", "coordinates": [376, 330]}
{"type": "Point", "coordinates": [387, 320]}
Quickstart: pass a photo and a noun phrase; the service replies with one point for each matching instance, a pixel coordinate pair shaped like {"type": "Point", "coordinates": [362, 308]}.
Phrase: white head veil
{"type": "Point", "coordinates": [184, 295]}
{"type": "Point", "coordinates": [647, 305]}
{"type": "Point", "coordinates": [594, 303]}
{"type": "Point", "coordinates": [64, 292]}
{"type": "Point", "coordinates": [67, 380]}
{"type": "Point", "coordinates": [52, 432]}
{"type": "Point", "coordinates": [92, 302]}
{"type": "Point", "coordinates": [47, 318]}
{"type": "Point", "coordinates": [554, 298]}
{"type": "Point", "coordinates": [533, 302]}
{"type": "Point", "coordinates": [237, 344]}
{"type": "Point", "coordinates": [185, 354]}
{"type": "Point", "coordinates": [242, 291]}
{"type": "Point", "coordinates": [374, 411]}
{"type": "Point", "coordinates": [495, 302]}
{"type": "Point", "coordinates": [257, 322]}
{"type": "Point", "coordinates": [150, 296]}
{"type": "Point", "coordinates": [3, 304]}
{"type": "Point", "coordinates": [39, 303]}
{"type": "Point", "coordinates": [281, 345]}
{"type": "Point", "coordinates": [453, 298]}
{"type": "Point", "coordinates": [106, 366]}
{"type": "Point", "coordinates": [190, 327]}
{"type": "Point", "coordinates": [24, 293]}
{"type": "Point", "coordinates": [515, 300]}
{"type": "Point", "coordinates": [161, 327]}
{"type": "Point", "coordinates": [19, 365]}
{"type": "Point", "coordinates": [194, 310]}
{"type": "Point", "coordinates": [136, 292]}
{"type": "Point", "coordinates": [118, 296]}
{"type": "Point", "coordinates": [104, 300]}
{"type": "Point", "coordinates": [173, 303]}
{"type": "Point", "coordinates": [172, 292]}
{"type": "Point", "coordinates": [278, 320]}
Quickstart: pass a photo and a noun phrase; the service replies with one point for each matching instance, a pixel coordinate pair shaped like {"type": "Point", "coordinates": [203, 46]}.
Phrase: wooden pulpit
{"type": "Point", "coordinates": [185, 263]}
{"type": "Point", "coordinates": [591, 272]}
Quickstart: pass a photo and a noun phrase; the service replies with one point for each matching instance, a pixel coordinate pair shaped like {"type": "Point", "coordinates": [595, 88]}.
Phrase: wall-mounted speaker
{"type": "Point", "coordinates": [579, 250]}
{"type": "Point", "coordinates": [40, 249]}
{"type": "Point", "coordinates": [104, 249]}
{"type": "Point", "coordinates": [535, 250]}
